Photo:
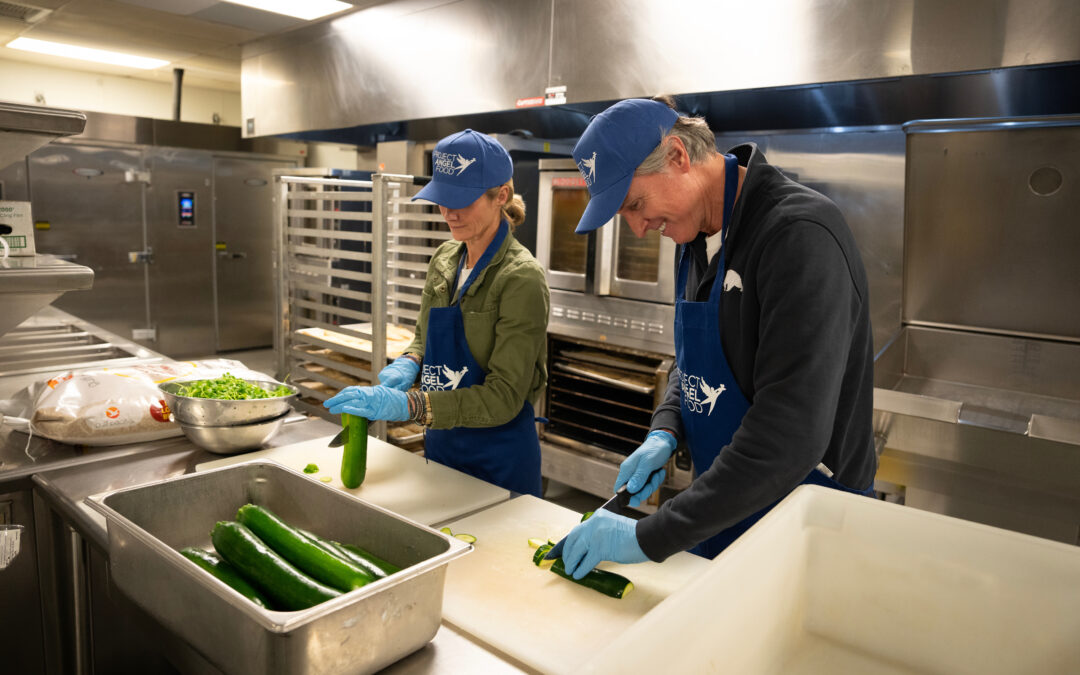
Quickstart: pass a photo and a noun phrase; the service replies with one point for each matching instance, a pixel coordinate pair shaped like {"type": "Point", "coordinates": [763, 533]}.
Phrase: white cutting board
{"type": "Point", "coordinates": [397, 480]}
{"type": "Point", "coordinates": [498, 596]}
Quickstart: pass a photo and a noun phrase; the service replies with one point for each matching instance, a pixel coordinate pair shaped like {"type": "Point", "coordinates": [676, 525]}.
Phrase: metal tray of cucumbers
{"type": "Point", "coordinates": [360, 630]}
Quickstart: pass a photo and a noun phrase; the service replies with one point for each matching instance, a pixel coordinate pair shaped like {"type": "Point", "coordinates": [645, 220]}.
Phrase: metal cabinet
{"type": "Point", "coordinates": [90, 213]}
{"type": "Point", "coordinates": [179, 240]}
{"type": "Point", "coordinates": [243, 206]}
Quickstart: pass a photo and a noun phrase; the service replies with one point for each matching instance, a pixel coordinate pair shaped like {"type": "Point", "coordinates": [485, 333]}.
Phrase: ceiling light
{"type": "Point", "coordinates": [307, 10]}
{"type": "Point", "coordinates": [85, 53]}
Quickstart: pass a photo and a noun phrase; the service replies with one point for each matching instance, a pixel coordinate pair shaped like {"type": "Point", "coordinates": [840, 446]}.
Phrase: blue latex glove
{"type": "Point", "coordinates": [604, 536]}
{"type": "Point", "coordinates": [651, 455]}
{"type": "Point", "coordinates": [374, 403]}
{"type": "Point", "coordinates": [400, 374]}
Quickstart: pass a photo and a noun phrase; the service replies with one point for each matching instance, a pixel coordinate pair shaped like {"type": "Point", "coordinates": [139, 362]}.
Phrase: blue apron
{"type": "Point", "coordinates": [712, 404]}
{"type": "Point", "coordinates": [507, 455]}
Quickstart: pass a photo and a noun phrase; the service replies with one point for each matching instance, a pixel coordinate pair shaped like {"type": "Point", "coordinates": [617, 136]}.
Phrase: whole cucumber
{"type": "Point", "coordinates": [288, 588]}
{"type": "Point", "coordinates": [354, 455]}
{"type": "Point", "coordinates": [212, 563]}
{"type": "Point", "coordinates": [340, 551]}
{"type": "Point", "coordinates": [307, 555]}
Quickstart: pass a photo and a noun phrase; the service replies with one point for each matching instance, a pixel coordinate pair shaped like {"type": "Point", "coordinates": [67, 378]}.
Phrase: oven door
{"type": "Point", "coordinates": [635, 268]}
{"type": "Point", "coordinates": [561, 252]}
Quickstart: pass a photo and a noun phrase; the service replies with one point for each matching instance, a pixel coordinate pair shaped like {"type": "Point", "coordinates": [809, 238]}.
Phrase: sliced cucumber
{"type": "Point", "coordinates": [311, 468]}
{"type": "Point", "coordinates": [537, 543]}
{"type": "Point", "coordinates": [467, 538]}
{"type": "Point", "coordinates": [608, 583]}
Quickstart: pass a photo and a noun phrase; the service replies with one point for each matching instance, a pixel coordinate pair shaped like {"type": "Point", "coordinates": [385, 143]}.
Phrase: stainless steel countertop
{"type": "Point", "coordinates": [70, 475]}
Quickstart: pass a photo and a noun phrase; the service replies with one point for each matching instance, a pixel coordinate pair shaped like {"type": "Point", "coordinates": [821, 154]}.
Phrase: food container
{"type": "Point", "coordinates": [208, 412]}
{"type": "Point", "coordinates": [234, 438]}
{"type": "Point", "coordinates": [830, 582]}
{"type": "Point", "coordinates": [358, 632]}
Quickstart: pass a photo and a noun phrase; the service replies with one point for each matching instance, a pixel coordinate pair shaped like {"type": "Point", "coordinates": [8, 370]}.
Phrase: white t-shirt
{"type": "Point", "coordinates": [712, 244]}
{"type": "Point", "coordinates": [465, 272]}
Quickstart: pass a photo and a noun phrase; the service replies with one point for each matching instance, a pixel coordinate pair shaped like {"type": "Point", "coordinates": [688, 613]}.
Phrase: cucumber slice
{"type": "Point", "coordinates": [311, 468]}
{"type": "Point", "coordinates": [446, 530]}
{"type": "Point", "coordinates": [537, 543]}
{"type": "Point", "coordinates": [467, 538]}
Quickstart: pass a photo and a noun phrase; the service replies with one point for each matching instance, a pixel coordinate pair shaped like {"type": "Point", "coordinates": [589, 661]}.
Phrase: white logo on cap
{"type": "Point", "coordinates": [463, 163]}
{"type": "Point", "coordinates": [450, 163]}
{"type": "Point", "coordinates": [587, 167]}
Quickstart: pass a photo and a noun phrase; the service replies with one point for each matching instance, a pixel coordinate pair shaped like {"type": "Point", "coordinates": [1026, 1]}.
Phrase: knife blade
{"type": "Point", "coordinates": [616, 504]}
{"type": "Point", "coordinates": [341, 439]}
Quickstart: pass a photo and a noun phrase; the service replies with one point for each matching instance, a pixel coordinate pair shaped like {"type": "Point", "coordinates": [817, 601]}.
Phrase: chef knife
{"type": "Point", "coordinates": [616, 504]}
{"type": "Point", "coordinates": [341, 439]}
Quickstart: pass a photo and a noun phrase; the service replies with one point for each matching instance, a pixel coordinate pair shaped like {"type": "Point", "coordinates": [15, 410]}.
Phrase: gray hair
{"type": "Point", "coordinates": [694, 133]}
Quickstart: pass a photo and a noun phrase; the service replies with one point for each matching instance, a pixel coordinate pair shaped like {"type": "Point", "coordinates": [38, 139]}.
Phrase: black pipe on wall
{"type": "Point", "coordinates": [178, 81]}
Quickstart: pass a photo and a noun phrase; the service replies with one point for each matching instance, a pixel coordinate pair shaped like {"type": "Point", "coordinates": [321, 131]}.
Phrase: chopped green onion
{"type": "Point", "coordinates": [229, 388]}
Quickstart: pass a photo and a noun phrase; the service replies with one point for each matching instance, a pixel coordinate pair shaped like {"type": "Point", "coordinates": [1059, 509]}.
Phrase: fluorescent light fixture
{"type": "Point", "coordinates": [85, 53]}
{"type": "Point", "coordinates": [306, 10]}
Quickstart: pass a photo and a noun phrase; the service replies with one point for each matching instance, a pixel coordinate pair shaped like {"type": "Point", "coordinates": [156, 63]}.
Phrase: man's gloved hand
{"type": "Point", "coordinates": [374, 403]}
{"type": "Point", "coordinates": [604, 536]}
{"type": "Point", "coordinates": [651, 455]}
{"type": "Point", "coordinates": [400, 374]}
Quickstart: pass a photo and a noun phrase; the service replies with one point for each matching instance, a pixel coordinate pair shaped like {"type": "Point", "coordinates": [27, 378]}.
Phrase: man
{"type": "Point", "coordinates": [773, 385]}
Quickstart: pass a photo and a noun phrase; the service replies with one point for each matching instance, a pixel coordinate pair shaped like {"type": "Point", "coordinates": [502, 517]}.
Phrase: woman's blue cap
{"type": "Point", "coordinates": [465, 166]}
{"type": "Point", "coordinates": [614, 144]}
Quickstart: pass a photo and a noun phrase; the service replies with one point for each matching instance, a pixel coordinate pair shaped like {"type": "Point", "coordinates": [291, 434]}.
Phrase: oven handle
{"type": "Point", "coordinates": [591, 374]}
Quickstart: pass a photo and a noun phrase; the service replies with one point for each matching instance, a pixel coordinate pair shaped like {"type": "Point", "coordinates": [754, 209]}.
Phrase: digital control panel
{"type": "Point", "coordinates": [185, 209]}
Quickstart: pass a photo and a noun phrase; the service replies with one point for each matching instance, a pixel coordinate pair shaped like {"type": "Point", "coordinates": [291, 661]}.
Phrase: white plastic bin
{"type": "Point", "coordinates": [834, 583]}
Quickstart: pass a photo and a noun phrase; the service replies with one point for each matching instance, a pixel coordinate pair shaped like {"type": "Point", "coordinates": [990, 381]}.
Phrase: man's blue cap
{"type": "Point", "coordinates": [463, 167]}
{"type": "Point", "coordinates": [614, 144]}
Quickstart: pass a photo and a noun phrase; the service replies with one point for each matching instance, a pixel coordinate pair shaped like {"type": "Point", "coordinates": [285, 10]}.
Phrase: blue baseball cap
{"type": "Point", "coordinates": [463, 167]}
{"type": "Point", "coordinates": [614, 144]}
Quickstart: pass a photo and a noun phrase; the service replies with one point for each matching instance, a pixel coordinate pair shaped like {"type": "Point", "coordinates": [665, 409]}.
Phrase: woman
{"type": "Point", "coordinates": [480, 345]}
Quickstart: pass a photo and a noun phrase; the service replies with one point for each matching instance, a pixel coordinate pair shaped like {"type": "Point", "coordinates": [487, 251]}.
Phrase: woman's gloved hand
{"type": "Point", "coordinates": [651, 455]}
{"type": "Point", "coordinates": [604, 536]}
{"type": "Point", "coordinates": [400, 374]}
{"type": "Point", "coordinates": [374, 403]}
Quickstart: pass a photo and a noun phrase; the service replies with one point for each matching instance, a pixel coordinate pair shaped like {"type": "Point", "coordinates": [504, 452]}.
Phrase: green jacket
{"type": "Point", "coordinates": [505, 312]}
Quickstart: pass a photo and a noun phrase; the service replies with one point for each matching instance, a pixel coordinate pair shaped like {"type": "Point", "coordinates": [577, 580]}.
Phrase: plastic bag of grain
{"type": "Point", "coordinates": [112, 406]}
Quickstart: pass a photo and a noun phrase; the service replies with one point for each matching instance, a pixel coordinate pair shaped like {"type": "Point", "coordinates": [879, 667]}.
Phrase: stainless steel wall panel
{"type": "Point", "coordinates": [14, 185]}
{"type": "Point", "coordinates": [181, 292]}
{"type": "Point", "coordinates": [95, 219]}
{"type": "Point", "coordinates": [412, 59]}
{"type": "Point", "coordinates": [991, 236]}
{"type": "Point", "coordinates": [862, 171]}
{"type": "Point", "coordinates": [400, 60]}
{"type": "Point", "coordinates": [243, 264]}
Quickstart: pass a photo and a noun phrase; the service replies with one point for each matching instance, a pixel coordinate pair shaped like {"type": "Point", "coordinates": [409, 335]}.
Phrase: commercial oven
{"type": "Point", "coordinates": [608, 285]}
